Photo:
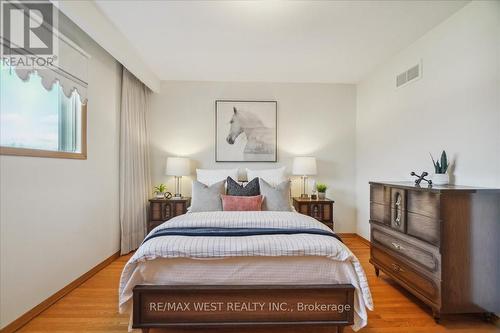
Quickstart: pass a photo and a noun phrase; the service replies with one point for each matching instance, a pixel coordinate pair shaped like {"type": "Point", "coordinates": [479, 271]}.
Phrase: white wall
{"type": "Point", "coordinates": [313, 119]}
{"type": "Point", "coordinates": [455, 106]}
{"type": "Point", "coordinates": [59, 217]}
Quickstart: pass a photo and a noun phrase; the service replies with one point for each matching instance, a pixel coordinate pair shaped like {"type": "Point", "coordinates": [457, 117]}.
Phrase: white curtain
{"type": "Point", "coordinates": [134, 162]}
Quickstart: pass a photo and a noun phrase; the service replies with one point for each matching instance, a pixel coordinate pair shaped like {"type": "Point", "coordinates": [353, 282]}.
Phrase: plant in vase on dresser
{"type": "Point", "coordinates": [440, 167]}
{"type": "Point", "coordinates": [160, 191]}
{"type": "Point", "coordinates": [321, 190]}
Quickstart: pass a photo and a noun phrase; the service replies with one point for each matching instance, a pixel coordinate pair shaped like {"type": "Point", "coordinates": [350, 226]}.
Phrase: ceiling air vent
{"type": "Point", "coordinates": [411, 74]}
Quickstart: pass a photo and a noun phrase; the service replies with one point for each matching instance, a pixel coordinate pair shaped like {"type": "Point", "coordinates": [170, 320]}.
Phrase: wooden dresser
{"type": "Point", "coordinates": [441, 244]}
{"type": "Point", "coordinates": [161, 210]}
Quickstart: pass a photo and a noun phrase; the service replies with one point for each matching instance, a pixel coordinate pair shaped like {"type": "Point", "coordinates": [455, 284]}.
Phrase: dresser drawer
{"type": "Point", "coordinates": [421, 285]}
{"type": "Point", "coordinates": [420, 254]}
{"type": "Point", "coordinates": [423, 203]}
{"type": "Point", "coordinates": [321, 212]}
{"type": "Point", "coordinates": [380, 200]}
{"type": "Point", "coordinates": [380, 194]}
{"type": "Point", "coordinates": [423, 227]}
{"type": "Point", "coordinates": [161, 211]}
{"type": "Point", "coordinates": [380, 213]}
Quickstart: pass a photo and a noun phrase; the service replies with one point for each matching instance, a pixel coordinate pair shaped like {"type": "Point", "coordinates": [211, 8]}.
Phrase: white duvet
{"type": "Point", "coordinates": [264, 259]}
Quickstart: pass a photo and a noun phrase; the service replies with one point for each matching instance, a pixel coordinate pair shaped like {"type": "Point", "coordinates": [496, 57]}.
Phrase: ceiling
{"type": "Point", "coordinates": [272, 41]}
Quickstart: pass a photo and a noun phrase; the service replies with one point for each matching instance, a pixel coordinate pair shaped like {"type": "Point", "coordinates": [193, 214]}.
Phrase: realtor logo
{"type": "Point", "coordinates": [28, 33]}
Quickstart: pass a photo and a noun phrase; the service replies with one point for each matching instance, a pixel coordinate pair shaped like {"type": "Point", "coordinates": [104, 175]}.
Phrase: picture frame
{"type": "Point", "coordinates": [246, 131]}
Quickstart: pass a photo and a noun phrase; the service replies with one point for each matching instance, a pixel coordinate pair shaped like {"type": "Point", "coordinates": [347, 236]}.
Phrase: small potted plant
{"type": "Point", "coordinates": [321, 190]}
{"type": "Point", "coordinates": [440, 167]}
{"type": "Point", "coordinates": [160, 190]}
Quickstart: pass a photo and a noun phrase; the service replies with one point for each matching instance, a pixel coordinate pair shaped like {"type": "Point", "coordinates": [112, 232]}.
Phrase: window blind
{"type": "Point", "coordinates": [70, 69]}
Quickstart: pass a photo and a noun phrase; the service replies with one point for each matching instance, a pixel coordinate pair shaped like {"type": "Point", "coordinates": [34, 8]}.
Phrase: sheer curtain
{"type": "Point", "coordinates": [134, 161]}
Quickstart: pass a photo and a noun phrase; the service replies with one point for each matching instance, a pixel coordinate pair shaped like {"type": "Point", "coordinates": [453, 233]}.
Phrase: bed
{"type": "Point", "coordinates": [296, 273]}
{"type": "Point", "coordinates": [266, 269]}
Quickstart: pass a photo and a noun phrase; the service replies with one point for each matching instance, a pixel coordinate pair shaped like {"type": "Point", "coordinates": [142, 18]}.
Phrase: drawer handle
{"type": "Point", "coordinates": [398, 210]}
{"type": "Point", "coordinates": [397, 268]}
{"type": "Point", "coordinates": [397, 246]}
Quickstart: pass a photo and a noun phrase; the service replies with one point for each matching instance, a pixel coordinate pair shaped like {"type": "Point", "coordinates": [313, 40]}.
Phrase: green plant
{"type": "Point", "coordinates": [321, 187]}
{"type": "Point", "coordinates": [440, 166]}
{"type": "Point", "coordinates": [160, 188]}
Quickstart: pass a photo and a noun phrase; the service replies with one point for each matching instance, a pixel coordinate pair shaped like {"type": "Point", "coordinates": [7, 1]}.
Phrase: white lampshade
{"type": "Point", "coordinates": [178, 166]}
{"type": "Point", "coordinates": [304, 166]}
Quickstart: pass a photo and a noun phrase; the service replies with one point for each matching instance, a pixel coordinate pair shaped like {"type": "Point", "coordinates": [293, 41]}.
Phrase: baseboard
{"type": "Point", "coordinates": [346, 234]}
{"type": "Point", "coordinates": [353, 235]}
{"type": "Point", "coordinates": [25, 318]}
{"type": "Point", "coordinates": [364, 240]}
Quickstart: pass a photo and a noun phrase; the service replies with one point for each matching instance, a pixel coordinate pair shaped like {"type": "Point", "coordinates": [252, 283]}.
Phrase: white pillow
{"type": "Point", "coordinates": [212, 176]}
{"type": "Point", "coordinates": [271, 176]}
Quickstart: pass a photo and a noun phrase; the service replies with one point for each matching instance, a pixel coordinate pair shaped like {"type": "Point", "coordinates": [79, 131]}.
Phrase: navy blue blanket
{"type": "Point", "coordinates": [236, 232]}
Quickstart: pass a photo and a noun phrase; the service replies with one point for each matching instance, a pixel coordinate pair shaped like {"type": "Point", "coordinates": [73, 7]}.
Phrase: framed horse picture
{"type": "Point", "coordinates": [246, 131]}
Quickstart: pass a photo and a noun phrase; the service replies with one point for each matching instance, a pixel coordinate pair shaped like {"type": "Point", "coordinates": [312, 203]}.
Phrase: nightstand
{"type": "Point", "coordinates": [320, 209]}
{"type": "Point", "coordinates": [161, 210]}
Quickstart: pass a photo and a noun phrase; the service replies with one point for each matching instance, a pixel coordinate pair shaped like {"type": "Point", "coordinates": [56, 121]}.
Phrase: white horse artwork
{"type": "Point", "coordinates": [260, 140]}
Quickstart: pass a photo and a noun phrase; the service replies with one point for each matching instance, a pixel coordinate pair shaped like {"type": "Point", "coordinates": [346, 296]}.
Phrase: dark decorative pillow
{"type": "Point", "coordinates": [251, 189]}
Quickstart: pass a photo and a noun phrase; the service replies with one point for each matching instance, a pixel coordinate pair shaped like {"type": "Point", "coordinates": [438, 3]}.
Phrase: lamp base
{"type": "Point", "coordinates": [177, 194]}
{"type": "Point", "coordinates": [304, 195]}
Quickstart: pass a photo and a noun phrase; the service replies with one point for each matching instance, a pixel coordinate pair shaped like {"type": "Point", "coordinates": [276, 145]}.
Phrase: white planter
{"type": "Point", "coordinates": [160, 195]}
{"type": "Point", "coordinates": [440, 179]}
{"type": "Point", "coordinates": [321, 195]}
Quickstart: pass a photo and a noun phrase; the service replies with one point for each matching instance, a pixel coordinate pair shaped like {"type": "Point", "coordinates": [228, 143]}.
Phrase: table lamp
{"type": "Point", "coordinates": [178, 167]}
{"type": "Point", "coordinates": [304, 166]}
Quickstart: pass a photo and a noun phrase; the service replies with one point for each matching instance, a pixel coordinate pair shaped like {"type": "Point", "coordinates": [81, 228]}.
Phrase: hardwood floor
{"type": "Point", "coordinates": [92, 307]}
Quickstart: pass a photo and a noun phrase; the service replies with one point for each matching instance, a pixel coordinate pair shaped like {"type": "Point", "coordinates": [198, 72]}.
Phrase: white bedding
{"type": "Point", "coordinates": [263, 259]}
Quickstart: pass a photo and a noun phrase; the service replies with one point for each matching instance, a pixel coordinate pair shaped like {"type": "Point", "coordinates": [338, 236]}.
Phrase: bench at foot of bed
{"type": "Point", "coordinates": [256, 309]}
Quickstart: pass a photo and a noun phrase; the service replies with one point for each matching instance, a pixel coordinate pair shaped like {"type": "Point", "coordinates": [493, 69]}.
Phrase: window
{"type": "Point", "coordinates": [35, 121]}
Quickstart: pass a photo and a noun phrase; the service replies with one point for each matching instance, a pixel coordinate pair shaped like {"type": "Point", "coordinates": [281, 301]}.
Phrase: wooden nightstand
{"type": "Point", "coordinates": [320, 209]}
{"type": "Point", "coordinates": [161, 210]}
